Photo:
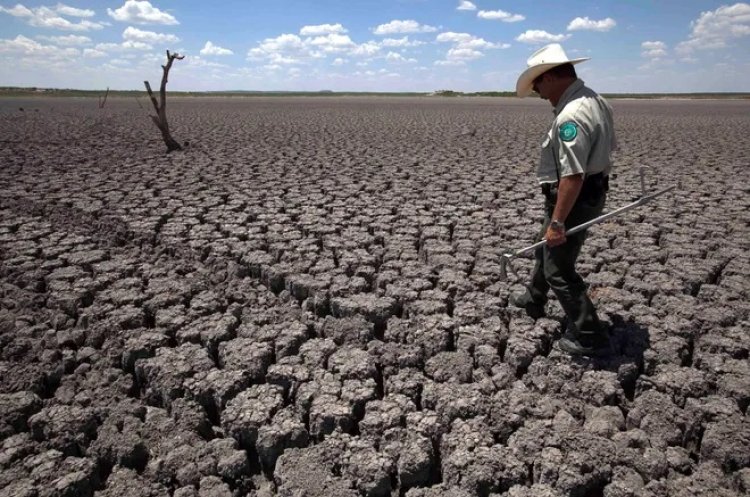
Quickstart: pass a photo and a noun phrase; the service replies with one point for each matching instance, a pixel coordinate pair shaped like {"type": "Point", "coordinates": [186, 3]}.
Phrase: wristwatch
{"type": "Point", "coordinates": [557, 225]}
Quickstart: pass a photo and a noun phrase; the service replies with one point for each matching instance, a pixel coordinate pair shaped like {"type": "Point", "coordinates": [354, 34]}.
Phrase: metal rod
{"type": "Point", "coordinates": [505, 259]}
{"type": "Point", "coordinates": [597, 220]}
{"type": "Point", "coordinates": [643, 181]}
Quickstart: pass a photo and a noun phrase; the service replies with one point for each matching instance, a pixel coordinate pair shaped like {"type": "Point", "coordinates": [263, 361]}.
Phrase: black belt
{"type": "Point", "coordinates": [593, 186]}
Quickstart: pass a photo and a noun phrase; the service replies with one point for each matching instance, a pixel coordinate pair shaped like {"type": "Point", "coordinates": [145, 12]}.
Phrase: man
{"type": "Point", "coordinates": [573, 173]}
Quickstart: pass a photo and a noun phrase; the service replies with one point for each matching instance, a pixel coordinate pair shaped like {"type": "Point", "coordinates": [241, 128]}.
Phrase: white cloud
{"type": "Point", "coordinates": [141, 12]}
{"type": "Point", "coordinates": [196, 61]}
{"type": "Point", "coordinates": [466, 5]}
{"type": "Point", "coordinates": [125, 46]}
{"type": "Point", "coordinates": [135, 45]}
{"type": "Point", "coordinates": [68, 40]}
{"type": "Point", "coordinates": [653, 49]}
{"type": "Point", "coordinates": [338, 61]}
{"type": "Point", "coordinates": [397, 57]}
{"type": "Point", "coordinates": [293, 49]}
{"type": "Point", "coordinates": [406, 26]}
{"type": "Point", "coordinates": [400, 42]}
{"type": "Point", "coordinates": [137, 35]}
{"type": "Point", "coordinates": [466, 40]}
{"type": "Point", "coordinates": [322, 29]}
{"type": "Point", "coordinates": [66, 10]}
{"type": "Point", "coordinates": [332, 42]}
{"type": "Point", "coordinates": [211, 49]}
{"type": "Point", "coordinates": [499, 15]}
{"type": "Point", "coordinates": [586, 24]}
{"type": "Point", "coordinates": [284, 42]}
{"type": "Point", "coordinates": [539, 36]}
{"type": "Point", "coordinates": [463, 54]}
{"type": "Point", "coordinates": [24, 46]}
{"type": "Point", "coordinates": [367, 49]}
{"type": "Point", "coordinates": [92, 53]}
{"type": "Point", "coordinates": [51, 17]}
{"type": "Point", "coordinates": [714, 29]}
{"type": "Point", "coordinates": [449, 62]}
{"type": "Point", "coordinates": [17, 11]}
{"type": "Point", "coordinates": [452, 37]}
{"type": "Point", "coordinates": [466, 47]}
{"type": "Point", "coordinates": [120, 62]}
{"type": "Point", "coordinates": [284, 49]}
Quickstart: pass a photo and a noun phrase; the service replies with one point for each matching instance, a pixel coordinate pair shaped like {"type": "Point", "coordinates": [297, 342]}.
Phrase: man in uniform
{"type": "Point", "coordinates": [573, 173]}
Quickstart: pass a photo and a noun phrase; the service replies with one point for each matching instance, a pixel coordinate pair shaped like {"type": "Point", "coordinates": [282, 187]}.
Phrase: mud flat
{"type": "Point", "coordinates": [307, 301]}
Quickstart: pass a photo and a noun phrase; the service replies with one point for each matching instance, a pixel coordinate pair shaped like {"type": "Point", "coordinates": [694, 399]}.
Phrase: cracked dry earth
{"type": "Point", "coordinates": [307, 302]}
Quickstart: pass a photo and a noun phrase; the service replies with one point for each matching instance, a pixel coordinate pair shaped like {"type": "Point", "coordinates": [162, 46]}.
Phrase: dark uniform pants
{"type": "Point", "coordinates": [555, 266]}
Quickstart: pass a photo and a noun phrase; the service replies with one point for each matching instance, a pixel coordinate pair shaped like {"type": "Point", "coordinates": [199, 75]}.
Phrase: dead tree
{"type": "Point", "coordinates": [160, 119]}
{"type": "Point", "coordinates": [103, 102]}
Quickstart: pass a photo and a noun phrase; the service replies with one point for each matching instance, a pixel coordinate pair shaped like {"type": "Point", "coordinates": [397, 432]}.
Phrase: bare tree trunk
{"type": "Point", "coordinates": [160, 119]}
{"type": "Point", "coordinates": [102, 103]}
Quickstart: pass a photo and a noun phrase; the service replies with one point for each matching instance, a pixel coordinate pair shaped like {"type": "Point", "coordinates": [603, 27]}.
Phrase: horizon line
{"type": "Point", "coordinates": [4, 90]}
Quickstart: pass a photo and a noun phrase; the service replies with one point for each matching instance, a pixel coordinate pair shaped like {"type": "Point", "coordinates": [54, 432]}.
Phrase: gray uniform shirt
{"type": "Point", "coordinates": [582, 136]}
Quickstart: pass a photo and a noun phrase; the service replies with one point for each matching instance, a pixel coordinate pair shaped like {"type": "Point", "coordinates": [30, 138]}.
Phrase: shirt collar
{"type": "Point", "coordinates": [567, 95]}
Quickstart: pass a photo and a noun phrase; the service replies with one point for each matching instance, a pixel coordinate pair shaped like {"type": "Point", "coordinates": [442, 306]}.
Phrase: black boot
{"type": "Point", "coordinates": [587, 344]}
{"type": "Point", "coordinates": [524, 301]}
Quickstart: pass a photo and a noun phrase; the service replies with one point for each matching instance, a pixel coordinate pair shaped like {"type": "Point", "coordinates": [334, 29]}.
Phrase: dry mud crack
{"type": "Point", "coordinates": [307, 301]}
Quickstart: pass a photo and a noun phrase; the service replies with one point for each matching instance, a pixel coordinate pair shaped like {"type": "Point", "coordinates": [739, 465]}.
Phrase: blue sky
{"type": "Point", "coordinates": [369, 45]}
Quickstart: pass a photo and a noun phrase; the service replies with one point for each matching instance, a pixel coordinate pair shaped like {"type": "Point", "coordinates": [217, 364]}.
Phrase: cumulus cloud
{"type": "Point", "coordinates": [92, 53]}
{"type": "Point", "coordinates": [211, 49]}
{"type": "Point", "coordinates": [499, 15]}
{"type": "Point", "coordinates": [66, 10]}
{"type": "Point", "coordinates": [463, 54]}
{"type": "Point", "coordinates": [400, 42]}
{"type": "Point", "coordinates": [367, 49]}
{"type": "Point", "coordinates": [125, 46]}
{"type": "Point", "coordinates": [24, 46]}
{"type": "Point", "coordinates": [466, 5]}
{"type": "Point", "coordinates": [17, 11]}
{"type": "Point", "coordinates": [714, 29]}
{"type": "Point", "coordinates": [332, 43]}
{"type": "Point", "coordinates": [136, 45]}
{"type": "Point", "coordinates": [466, 40]}
{"type": "Point", "coordinates": [135, 34]}
{"type": "Point", "coordinates": [538, 36]}
{"type": "Point", "coordinates": [322, 29]}
{"type": "Point", "coordinates": [338, 61]}
{"type": "Point", "coordinates": [51, 17]}
{"type": "Point", "coordinates": [141, 12]}
{"type": "Point", "coordinates": [653, 49]}
{"type": "Point", "coordinates": [586, 24]}
{"type": "Point", "coordinates": [284, 49]}
{"type": "Point", "coordinates": [398, 58]}
{"type": "Point", "coordinates": [466, 47]}
{"type": "Point", "coordinates": [405, 26]}
{"type": "Point", "coordinates": [197, 61]}
{"type": "Point", "coordinates": [293, 49]}
{"type": "Point", "coordinates": [68, 40]}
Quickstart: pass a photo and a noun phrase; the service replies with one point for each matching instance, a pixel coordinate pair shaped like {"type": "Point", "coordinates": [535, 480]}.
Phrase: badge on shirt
{"type": "Point", "coordinates": [568, 131]}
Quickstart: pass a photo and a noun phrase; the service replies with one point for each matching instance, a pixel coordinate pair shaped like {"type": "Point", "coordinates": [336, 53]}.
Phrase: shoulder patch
{"type": "Point", "coordinates": [568, 131]}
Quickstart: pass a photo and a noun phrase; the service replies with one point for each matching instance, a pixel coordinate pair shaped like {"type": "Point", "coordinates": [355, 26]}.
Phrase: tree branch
{"type": "Point", "coordinates": [160, 119]}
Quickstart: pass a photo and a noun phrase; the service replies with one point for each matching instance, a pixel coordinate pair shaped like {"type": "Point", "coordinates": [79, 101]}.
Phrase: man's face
{"type": "Point", "coordinates": [540, 86]}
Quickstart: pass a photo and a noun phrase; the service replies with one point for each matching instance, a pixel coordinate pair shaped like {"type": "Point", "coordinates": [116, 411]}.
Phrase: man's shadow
{"type": "Point", "coordinates": [629, 341]}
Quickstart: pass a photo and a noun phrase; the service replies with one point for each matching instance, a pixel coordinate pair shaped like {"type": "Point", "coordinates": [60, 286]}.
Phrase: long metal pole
{"type": "Point", "coordinates": [645, 198]}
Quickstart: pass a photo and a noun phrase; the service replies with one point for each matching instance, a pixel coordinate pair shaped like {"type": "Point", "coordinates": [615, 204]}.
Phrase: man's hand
{"type": "Point", "coordinates": [567, 193]}
{"type": "Point", "coordinates": [554, 236]}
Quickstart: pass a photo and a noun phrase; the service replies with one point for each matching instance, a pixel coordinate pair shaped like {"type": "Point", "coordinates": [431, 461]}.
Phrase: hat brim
{"type": "Point", "coordinates": [526, 79]}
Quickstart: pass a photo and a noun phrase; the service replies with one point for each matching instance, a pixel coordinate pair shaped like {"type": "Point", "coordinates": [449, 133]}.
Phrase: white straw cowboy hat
{"type": "Point", "coordinates": [540, 62]}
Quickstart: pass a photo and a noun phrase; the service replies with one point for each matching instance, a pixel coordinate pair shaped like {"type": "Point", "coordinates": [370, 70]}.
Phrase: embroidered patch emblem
{"type": "Point", "coordinates": [568, 131]}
